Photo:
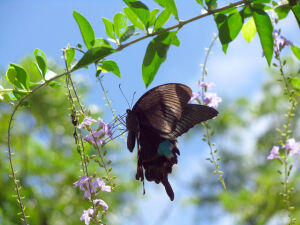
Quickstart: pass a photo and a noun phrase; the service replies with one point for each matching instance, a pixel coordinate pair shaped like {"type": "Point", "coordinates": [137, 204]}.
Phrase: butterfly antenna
{"type": "Point", "coordinates": [124, 95]}
{"type": "Point", "coordinates": [132, 99]}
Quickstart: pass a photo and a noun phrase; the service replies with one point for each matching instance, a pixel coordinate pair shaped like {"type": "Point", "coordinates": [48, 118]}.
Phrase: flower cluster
{"type": "Point", "coordinates": [209, 98]}
{"type": "Point", "coordinates": [280, 42]}
{"type": "Point", "coordinates": [97, 135]}
{"type": "Point", "coordinates": [291, 146]}
{"type": "Point", "coordinates": [91, 187]}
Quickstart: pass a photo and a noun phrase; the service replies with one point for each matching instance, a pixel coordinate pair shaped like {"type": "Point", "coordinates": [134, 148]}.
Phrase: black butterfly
{"type": "Point", "coordinates": [160, 116]}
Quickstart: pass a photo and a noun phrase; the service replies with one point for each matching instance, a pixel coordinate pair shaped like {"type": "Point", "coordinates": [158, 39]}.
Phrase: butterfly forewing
{"type": "Point", "coordinates": [161, 107]}
{"type": "Point", "coordinates": [192, 115]}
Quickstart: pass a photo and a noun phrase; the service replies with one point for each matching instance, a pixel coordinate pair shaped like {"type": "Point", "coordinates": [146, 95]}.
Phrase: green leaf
{"type": "Point", "coordinates": [249, 30]}
{"type": "Point", "coordinates": [261, 7]}
{"type": "Point", "coordinates": [129, 32]}
{"type": "Point", "coordinates": [70, 55]}
{"type": "Point", "coordinates": [17, 76]}
{"type": "Point", "coordinates": [169, 5]}
{"type": "Point", "coordinates": [261, 1]}
{"type": "Point", "coordinates": [296, 50]}
{"type": "Point", "coordinates": [101, 42]}
{"type": "Point", "coordinates": [133, 18]}
{"type": "Point", "coordinates": [211, 4]}
{"type": "Point", "coordinates": [296, 11]}
{"type": "Point", "coordinates": [18, 94]}
{"type": "Point", "coordinates": [120, 24]}
{"type": "Point", "coordinates": [246, 12]}
{"type": "Point", "coordinates": [224, 34]}
{"type": "Point", "coordinates": [41, 61]}
{"type": "Point", "coordinates": [109, 28]}
{"type": "Point", "coordinates": [109, 66]}
{"type": "Point", "coordinates": [264, 29]}
{"type": "Point", "coordinates": [162, 19]}
{"type": "Point", "coordinates": [175, 41]}
{"type": "Point", "coordinates": [156, 54]}
{"type": "Point", "coordinates": [140, 10]}
{"type": "Point", "coordinates": [4, 94]}
{"type": "Point", "coordinates": [295, 82]}
{"type": "Point", "coordinates": [282, 11]}
{"type": "Point", "coordinates": [34, 84]}
{"type": "Point", "coordinates": [230, 11]}
{"type": "Point", "coordinates": [93, 55]}
{"type": "Point", "coordinates": [4, 97]}
{"type": "Point", "coordinates": [152, 17]}
{"type": "Point", "coordinates": [54, 84]}
{"type": "Point", "coordinates": [86, 29]}
{"type": "Point", "coordinates": [200, 2]}
{"type": "Point", "coordinates": [235, 24]}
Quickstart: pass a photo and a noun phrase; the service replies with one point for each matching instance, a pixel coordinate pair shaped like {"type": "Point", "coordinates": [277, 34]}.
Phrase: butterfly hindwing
{"type": "Point", "coordinates": [157, 157]}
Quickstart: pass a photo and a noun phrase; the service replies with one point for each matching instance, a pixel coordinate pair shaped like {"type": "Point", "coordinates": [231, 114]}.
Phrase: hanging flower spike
{"type": "Point", "coordinates": [206, 85]}
{"type": "Point", "coordinates": [274, 154]}
{"type": "Point", "coordinates": [95, 137]}
{"type": "Point", "coordinates": [99, 184]}
{"type": "Point", "coordinates": [195, 95]}
{"type": "Point", "coordinates": [86, 216]}
{"type": "Point", "coordinates": [99, 203]}
{"type": "Point", "coordinates": [106, 127]}
{"type": "Point", "coordinates": [292, 146]}
{"type": "Point", "coordinates": [280, 42]}
{"type": "Point", "coordinates": [211, 99]}
{"type": "Point", "coordinates": [87, 121]}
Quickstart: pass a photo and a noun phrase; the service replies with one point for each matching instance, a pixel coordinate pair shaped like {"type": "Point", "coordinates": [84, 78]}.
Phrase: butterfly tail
{"type": "Point", "coordinates": [168, 187]}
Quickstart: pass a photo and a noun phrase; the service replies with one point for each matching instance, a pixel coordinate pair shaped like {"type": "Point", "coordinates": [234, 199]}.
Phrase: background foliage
{"type": "Point", "coordinates": [48, 163]}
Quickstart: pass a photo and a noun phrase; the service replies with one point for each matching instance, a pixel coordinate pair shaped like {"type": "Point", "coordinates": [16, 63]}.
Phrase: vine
{"type": "Point", "coordinates": [288, 144]}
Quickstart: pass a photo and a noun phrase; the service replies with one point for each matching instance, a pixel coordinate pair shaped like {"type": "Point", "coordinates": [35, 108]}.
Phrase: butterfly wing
{"type": "Point", "coordinates": [161, 107]}
{"type": "Point", "coordinates": [157, 157]}
{"type": "Point", "coordinates": [191, 115]}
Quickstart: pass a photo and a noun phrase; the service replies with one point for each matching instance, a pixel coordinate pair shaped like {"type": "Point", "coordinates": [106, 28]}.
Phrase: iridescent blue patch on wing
{"type": "Point", "coordinates": [165, 149]}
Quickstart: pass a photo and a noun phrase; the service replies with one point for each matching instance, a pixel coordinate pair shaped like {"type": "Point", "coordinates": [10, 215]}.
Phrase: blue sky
{"type": "Point", "coordinates": [49, 25]}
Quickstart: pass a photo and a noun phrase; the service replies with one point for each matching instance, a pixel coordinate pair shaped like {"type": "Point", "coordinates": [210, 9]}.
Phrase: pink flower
{"type": "Point", "coordinates": [86, 216]}
{"type": "Point", "coordinates": [106, 127]}
{"type": "Point", "coordinates": [206, 85]}
{"type": "Point", "coordinates": [99, 184]}
{"type": "Point", "coordinates": [100, 202]}
{"type": "Point", "coordinates": [211, 99]}
{"type": "Point", "coordinates": [195, 95]}
{"type": "Point", "coordinates": [274, 154]}
{"type": "Point", "coordinates": [95, 137]}
{"type": "Point", "coordinates": [280, 42]}
{"type": "Point", "coordinates": [292, 146]}
{"type": "Point", "coordinates": [91, 186]}
{"type": "Point", "coordinates": [86, 122]}
{"type": "Point", "coordinates": [83, 183]}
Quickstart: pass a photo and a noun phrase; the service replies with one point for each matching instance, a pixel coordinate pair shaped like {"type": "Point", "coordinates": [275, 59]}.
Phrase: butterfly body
{"type": "Point", "coordinates": [156, 120]}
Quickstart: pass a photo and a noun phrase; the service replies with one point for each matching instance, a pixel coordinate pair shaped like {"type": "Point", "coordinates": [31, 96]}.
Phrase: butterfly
{"type": "Point", "coordinates": [155, 122]}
